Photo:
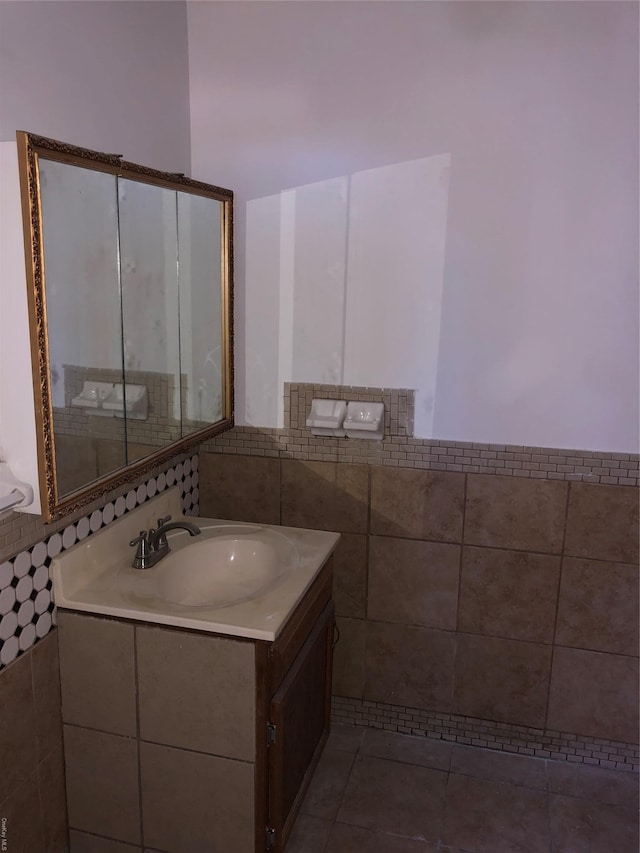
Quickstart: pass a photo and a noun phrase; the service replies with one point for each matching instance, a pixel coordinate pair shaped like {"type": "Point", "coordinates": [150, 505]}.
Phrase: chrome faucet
{"type": "Point", "coordinates": [152, 544]}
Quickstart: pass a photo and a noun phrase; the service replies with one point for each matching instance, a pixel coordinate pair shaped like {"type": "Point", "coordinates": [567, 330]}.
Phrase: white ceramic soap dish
{"type": "Point", "coordinates": [364, 420]}
{"type": "Point", "coordinates": [326, 417]}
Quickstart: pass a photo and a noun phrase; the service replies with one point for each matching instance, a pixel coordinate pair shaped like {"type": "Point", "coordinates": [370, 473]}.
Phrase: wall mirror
{"type": "Point", "coordinates": [129, 279]}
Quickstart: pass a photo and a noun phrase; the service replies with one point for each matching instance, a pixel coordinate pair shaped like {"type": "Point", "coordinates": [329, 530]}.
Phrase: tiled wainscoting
{"type": "Point", "coordinates": [151, 748]}
{"type": "Point", "coordinates": [485, 598]}
{"type": "Point", "coordinates": [496, 610]}
{"type": "Point", "coordinates": [32, 788]}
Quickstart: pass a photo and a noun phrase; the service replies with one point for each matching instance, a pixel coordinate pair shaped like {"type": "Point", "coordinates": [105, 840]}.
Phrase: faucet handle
{"type": "Point", "coordinates": [162, 539]}
{"type": "Point", "coordinates": [143, 550]}
{"type": "Point", "coordinates": [140, 540]}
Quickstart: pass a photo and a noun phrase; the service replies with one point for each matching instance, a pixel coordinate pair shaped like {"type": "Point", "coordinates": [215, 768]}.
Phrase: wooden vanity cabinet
{"type": "Point", "coordinates": [183, 741]}
{"type": "Point", "coordinates": [297, 676]}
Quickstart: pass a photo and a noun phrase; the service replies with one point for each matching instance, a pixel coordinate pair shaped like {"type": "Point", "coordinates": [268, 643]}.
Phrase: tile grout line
{"type": "Point", "coordinates": [368, 546]}
{"type": "Point", "coordinates": [442, 834]}
{"type": "Point", "coordinates": [39, 758]}
{"type": "Point", "coordinates": [484, 775]}
{"type": "Point", "coordinates": [325, 848]}
{"type": "Point", "coordinates": [554, 645]}
{"type": "Point", "coordinates": [138, 733]}
{"type": "Point", "coordinates": [280, 490]}
{"type": "Point", "coordinates": [458, 603]}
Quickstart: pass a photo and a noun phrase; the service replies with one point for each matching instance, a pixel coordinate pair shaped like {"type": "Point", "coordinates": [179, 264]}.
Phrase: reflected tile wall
{"type": "Point", "coordinates": [160, 425]}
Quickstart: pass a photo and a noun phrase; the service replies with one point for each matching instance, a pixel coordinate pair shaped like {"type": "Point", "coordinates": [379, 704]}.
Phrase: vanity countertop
{"type": "Point", "coordinates": [96, 576]}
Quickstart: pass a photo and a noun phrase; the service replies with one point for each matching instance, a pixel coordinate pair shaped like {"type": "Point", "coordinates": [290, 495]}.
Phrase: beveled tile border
{"type": "Point", "coordinates": [27, 609]}
{"type": "Point", "coordinates": [503, 737]}
{"type": "Point", "coordinates": [399, 448]}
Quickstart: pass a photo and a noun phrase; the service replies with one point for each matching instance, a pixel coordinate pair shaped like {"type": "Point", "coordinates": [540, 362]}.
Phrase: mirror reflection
{"type": "Point", "coordinates": [83, 315]}
{"type": "Point", "coordinates": [150, 312]}
{"type": "Point", "coordinates": [201, 352]}
{"type": "Point", "coordinates": [130, 291]}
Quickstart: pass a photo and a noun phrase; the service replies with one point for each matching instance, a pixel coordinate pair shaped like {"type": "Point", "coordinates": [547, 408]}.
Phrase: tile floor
{"type": "Point", "coordinates": [380, 792]}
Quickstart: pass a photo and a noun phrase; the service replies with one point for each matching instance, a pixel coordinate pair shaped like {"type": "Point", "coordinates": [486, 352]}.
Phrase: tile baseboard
{"type": "Point", "coordinates": [487, 734]}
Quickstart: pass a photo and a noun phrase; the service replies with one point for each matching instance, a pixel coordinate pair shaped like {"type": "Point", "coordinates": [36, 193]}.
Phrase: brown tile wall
{"type": "Point", "coordinates": [32, 788]}
{"type": "Point", "coordinates": [504, 589]}
{"type": "Point", "coordinates": [491, 598]}
{"type": "Point", "coordinates": [32, 778]}
{"type": "Point", "coordinates": [147, 739]}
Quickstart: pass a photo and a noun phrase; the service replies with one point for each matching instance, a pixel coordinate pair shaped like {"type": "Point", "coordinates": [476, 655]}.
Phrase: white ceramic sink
{"type": "Point", "coordinates": [225, 564]}
{"type": "Point", "coordinates": [234, 578]}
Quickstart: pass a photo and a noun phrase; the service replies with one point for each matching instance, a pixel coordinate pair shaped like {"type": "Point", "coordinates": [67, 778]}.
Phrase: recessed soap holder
{"type": "Point", "coordinates": [108, 399]}
{"type": "Point", "coordinates": [364, 420]}
{"type": "Point", "coordinates": [354, 419]}
{"type": "Point", "coordinates": [326, 417]}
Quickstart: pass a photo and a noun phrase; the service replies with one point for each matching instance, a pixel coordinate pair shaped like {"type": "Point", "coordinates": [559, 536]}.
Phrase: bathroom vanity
{"type": "Point", "coordinates": [195, 728]}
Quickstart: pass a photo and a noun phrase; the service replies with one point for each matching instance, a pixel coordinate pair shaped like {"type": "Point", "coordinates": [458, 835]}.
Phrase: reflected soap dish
{"type": "Point", "coordinates": [135, 397]}
{"type": "Point", "coordinates": [92, 397]}
{"type": "Point", "coordinates": [108, 399]}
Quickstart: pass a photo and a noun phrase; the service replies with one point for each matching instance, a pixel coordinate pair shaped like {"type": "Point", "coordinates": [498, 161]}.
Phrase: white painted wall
{"type": "Point", "coordinates": [112, 76]}
{"type": "Point", "coordinates": [17, 420]}
{"type": "Point", "coordinates": [341, 273]}
{"type": "Point", "coordinates": [535, 104]}
{"type": "Point", "coordinates": [395, 279]}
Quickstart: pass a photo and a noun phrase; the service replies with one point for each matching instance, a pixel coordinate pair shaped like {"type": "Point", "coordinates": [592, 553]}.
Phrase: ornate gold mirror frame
{"type": "Point", "coordinates": [31, 148]}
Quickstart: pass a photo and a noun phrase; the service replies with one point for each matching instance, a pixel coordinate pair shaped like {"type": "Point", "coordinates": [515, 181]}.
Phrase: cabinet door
{"type": "Point", "coordinates": [300, 711]}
